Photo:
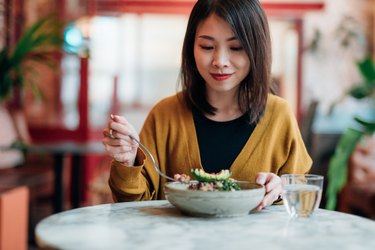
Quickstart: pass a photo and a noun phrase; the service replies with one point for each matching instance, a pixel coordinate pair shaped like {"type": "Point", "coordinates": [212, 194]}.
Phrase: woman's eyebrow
{"type": "Point", "coordinates": [206, 37]}
{"type": "Point", "coordinates": [232, 38]}
{"type": "Point", "coordinates": [212, 39]}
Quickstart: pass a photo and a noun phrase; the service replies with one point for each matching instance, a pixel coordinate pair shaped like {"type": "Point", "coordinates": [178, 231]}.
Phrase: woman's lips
{"type": "Point", "coordinates": [221, 77]}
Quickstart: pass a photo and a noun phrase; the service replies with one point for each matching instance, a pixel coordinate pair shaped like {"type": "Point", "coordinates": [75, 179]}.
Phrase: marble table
{"type": "Point", "coordinates": [158, 225]}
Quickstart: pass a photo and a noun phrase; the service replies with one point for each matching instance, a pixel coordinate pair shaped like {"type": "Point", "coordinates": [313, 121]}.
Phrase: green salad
{"type": "Point", "coordinates": [209, 182]}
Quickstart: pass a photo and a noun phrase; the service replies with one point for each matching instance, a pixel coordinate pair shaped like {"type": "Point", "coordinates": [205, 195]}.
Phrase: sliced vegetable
{"type": "Point", "coordinates": [202, 176]}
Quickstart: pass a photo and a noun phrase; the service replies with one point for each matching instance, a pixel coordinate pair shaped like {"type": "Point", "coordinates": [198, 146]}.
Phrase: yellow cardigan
{"type": "Point", "coordinates": [169, 133]}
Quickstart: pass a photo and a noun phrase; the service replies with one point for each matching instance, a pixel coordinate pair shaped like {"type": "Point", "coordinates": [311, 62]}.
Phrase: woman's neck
{"type": "Point", "coordinates": [226, 105]}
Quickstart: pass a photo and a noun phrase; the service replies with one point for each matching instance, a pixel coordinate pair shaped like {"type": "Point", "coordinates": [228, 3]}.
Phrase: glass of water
{"type": "Point", "coordinates": [301, 193]}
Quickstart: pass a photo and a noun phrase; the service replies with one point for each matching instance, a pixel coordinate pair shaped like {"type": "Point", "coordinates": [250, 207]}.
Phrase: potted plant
{"type": "Point", "coordinates": [18, 66]}
{"type": "Point", "coordinates": [33, 46]}
{"type": "Point", "coordinates": [338, 165]}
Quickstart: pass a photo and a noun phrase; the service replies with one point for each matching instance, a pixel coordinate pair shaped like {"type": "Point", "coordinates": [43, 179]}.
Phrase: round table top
{"type": "Point", "coordinates": [159, 225]}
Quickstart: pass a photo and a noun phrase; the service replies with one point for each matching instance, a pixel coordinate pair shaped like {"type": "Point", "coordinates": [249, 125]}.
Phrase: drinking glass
{"type": "Point", "coordinates": [301, 193]}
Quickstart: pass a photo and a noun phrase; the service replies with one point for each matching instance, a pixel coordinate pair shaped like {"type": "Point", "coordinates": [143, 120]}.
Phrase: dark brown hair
{"type": "Point", "coordinates": [249, 24]}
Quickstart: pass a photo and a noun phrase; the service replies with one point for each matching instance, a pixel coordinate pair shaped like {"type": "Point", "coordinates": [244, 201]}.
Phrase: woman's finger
{"type": "Point", "coordinates": [121, 153]}
{"type": "Point", "coordinates": [269, 180]}
{"type": "Point", "coordinates": [125, 158]}
{"type": "Point", "coordinates": [272, 184]}
{"type": "Point", "coordinates": [116, 141]}
{"type": "Point", "coordinates": [269, 198]}
{"type": "Point", "coordinates": [122, 130]}
{"type": "Point", "coordinates": [117, 149]}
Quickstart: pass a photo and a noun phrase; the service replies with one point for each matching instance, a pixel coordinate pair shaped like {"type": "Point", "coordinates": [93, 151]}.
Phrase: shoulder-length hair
{"type": "Point", "coordinates": [250, 26]}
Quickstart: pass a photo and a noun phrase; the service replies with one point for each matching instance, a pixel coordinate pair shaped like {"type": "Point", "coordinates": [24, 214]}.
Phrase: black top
{"type": "Point", "coordinates": [220, 142]}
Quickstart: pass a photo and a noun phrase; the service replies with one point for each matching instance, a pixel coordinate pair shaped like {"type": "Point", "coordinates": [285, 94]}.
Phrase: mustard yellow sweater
{"type": "Point", "coordinates": [169, 133]}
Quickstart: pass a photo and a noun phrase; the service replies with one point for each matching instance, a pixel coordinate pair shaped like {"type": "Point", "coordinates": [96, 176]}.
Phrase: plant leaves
{"type": "Point", "coordinates": [368, 126]}
{"type": "Point", "coordinates": [361, 91]}
{"type": "Point", "coordinates": [338, 165]}
{"type": "Point", "coordinates": [42, 33]}
{"type": "Point", "coordinates": [5, 75]}
{"type": "Point", "coordinates": [35, 46]}
{"type": "Point", "coordinates": [367, 87]}
{"type": "Point", "coordinates": [6, 87]}
{"type": "Point", "coordinates": [367, 69]}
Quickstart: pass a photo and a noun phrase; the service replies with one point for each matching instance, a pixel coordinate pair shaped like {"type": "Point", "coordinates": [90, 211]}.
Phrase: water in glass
{"type": "Point", "coordinates": [302, 194]}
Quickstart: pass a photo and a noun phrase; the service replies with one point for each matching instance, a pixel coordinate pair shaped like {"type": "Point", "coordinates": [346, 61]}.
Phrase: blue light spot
{"type": "Point", "coordinates": [73, 39]}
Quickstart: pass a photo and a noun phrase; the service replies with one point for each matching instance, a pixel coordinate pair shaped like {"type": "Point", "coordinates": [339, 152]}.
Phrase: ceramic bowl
{"type": "Point", "coordinates": [215, 204]}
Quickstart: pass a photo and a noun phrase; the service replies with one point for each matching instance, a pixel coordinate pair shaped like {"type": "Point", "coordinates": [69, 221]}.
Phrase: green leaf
{"type": "Point", "coordinates": [34, 46]}
{"type": "Point", "coordinates": [20, 145]}
{"type": "Point", "coordinates": [19, 77]}
{"type": "Point", "coordinates": [368, 126]}
{"type": "Point", "coordinates": [6, 87]}
{"type": "Point", "coordinates": [367, 69]}
{"type": "Point", "coordinates": [361, 91]}
{"type": "Point", "coordinates": [338, 165]}
{"type": "Point", "coordinates": [5, 76]}
{"type": "Point", "coordinates": [44, 33]}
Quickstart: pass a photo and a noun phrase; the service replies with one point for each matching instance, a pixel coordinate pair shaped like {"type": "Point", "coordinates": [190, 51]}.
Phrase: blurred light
{"type": "Point", "coordinates": [73, 39]}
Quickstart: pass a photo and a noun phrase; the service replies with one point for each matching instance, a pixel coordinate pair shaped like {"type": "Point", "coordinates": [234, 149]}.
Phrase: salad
{"type": "Point", "coordinates": [209, 182]}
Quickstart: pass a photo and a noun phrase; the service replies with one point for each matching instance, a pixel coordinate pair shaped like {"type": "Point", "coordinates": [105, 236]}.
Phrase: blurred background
{"type": "Point", "coordinates": [123, 56]}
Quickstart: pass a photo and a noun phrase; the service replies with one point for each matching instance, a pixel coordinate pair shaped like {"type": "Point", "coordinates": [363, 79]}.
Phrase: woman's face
{"type": "Point", "coordinates": [219, 56]}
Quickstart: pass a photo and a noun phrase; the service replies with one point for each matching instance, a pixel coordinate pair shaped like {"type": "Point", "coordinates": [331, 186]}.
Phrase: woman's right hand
{"type": "Point", "coordinates": [117, 142]}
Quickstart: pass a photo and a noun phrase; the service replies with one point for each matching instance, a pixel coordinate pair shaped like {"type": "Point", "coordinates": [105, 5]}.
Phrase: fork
{"type": "Point", "coordinates": [152, 159]}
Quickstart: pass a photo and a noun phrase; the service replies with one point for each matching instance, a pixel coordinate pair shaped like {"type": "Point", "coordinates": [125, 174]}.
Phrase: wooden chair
{"type": "Point", "coordinates": [37, 176]}
{"type": "Point", "coordinates": [358, 195]}
{"type": "Point", "coordinates": [307, 124]}
{"type": "Point", "coordinates": [358, 199]}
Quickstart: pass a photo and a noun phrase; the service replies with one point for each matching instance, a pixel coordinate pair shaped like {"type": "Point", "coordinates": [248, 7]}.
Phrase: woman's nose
{"type": "Point", "coordinates": [221, 58]}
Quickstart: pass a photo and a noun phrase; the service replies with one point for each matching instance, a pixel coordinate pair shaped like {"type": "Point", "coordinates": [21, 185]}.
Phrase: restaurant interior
{"type": "Point", "coordinates": [122, 56]}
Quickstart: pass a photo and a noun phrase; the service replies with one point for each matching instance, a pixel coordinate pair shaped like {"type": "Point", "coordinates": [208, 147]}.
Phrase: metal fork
{"type": "Point", "coordinates": [152, 159]}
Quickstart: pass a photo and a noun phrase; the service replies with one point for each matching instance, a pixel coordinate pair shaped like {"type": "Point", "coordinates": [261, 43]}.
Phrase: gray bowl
{"type": "Point", "coordinates": [215, 204]}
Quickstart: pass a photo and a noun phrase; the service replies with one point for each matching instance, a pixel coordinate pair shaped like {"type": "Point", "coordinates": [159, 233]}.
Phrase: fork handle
{"type": "Point", "coordinates": [152, 159]}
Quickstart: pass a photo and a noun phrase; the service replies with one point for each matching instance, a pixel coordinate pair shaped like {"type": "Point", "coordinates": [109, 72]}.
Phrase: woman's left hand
{"type": "Point", "coordinates": [272, 184]}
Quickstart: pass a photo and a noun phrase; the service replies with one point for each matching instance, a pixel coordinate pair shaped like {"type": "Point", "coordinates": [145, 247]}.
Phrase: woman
{"type": "Point", "coordinates": [224, 118]}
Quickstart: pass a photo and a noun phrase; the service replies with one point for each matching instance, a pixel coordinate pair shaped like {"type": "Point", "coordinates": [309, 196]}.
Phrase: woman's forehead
{"type": "Point", "coordinates": [214, 26]}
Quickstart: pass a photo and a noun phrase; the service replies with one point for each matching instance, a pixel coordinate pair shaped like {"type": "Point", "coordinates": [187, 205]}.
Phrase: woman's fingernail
{"type": "Point", "coordinates": [112, 116]}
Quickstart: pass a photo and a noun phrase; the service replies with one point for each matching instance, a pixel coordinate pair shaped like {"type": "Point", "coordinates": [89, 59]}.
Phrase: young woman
{"type": "Point", "coordinates": [225, 117]}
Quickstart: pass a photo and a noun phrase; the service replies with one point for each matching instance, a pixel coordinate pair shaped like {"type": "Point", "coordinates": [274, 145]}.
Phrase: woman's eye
{"type": "Point", "coordinates": [206, 47]}
{"type": "Point", "coordinates": [236, 48]}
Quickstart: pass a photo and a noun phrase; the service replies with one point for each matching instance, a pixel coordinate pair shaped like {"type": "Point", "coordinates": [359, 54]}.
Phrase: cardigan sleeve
{"type": "Point", "coordinates": [139, 182]}
{"type": "Point", "coordinates": [298, 160]}
{"type": "Point", "coordinates": [142, 182]}
{"type": "Point", "coordinates": [128, 183]}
